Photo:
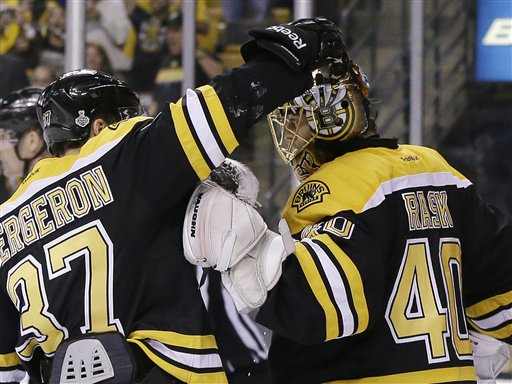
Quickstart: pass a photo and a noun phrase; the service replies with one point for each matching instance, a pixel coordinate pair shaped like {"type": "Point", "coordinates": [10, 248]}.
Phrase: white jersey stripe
{"type": "Point", "coordinates": [241, 327]}
{"type": "Point", "coordinates": [337, 286]}
{"type": "Point", "coordinates": [210, 360]}
{"type": "Point", "coordinates": [414, 181]}
{"type": "Point", "coordinates": [12, 376]}
{"type": "Point", "coordinates": [38, 185]}
{"type": "Point", "coordinates": [495, 320]}
{"type": "Point", "coordinates": [203, 130]}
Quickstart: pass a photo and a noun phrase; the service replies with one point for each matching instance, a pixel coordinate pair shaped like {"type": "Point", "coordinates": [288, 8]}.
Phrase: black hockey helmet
{"type": "Point", "coordinates": [69, 105]}
{"type": "Point", "coordinates": [18, 111]}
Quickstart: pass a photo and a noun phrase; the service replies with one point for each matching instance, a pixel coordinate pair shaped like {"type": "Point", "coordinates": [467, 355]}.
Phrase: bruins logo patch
{"type": "Point", "coordinates": [310, 193]}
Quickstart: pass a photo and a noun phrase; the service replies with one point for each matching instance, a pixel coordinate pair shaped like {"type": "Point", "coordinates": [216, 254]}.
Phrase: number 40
{"type": "Point", "coordinates": [414, 312]}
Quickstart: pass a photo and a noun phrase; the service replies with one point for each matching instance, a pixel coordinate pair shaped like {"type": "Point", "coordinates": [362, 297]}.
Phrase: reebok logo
{"type": "Point", "coordinates": [297, 41]}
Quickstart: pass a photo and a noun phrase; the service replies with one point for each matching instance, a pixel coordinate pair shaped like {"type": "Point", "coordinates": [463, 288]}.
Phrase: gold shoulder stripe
{"type": "Point", "coordinates": [177, 339]}
{"type": "Point", "coordinates": [489, 305]}
{"type": "Point", "coordinates": [187, 141]}
{"type": "Point", "coordinates": [500, 334]}
{"type": "Point", "coordinates": [180, 373]}
{"type": "Point", "coordinates": [319, 289]}
{"type": "Point", "coordinates": [219, 118]}
{"type": "Point", "coordinates": [364, 185]}
{"type": "Point", "coordinates": [354, 280]}
{"type": "Point", "coordinates": [9, 360]}
{"type": "Point", "coordinates": [56, 167]}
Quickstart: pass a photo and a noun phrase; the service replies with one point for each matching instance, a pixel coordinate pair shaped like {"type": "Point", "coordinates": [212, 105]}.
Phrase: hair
{"type": "Point", "coordinates": [59, 149]}
{"type": "Point", "coordinates": [106, 65]}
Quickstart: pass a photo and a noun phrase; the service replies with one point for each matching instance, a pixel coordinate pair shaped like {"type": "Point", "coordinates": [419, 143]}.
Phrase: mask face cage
{"type": "Point", "coordinates": [293, 128]}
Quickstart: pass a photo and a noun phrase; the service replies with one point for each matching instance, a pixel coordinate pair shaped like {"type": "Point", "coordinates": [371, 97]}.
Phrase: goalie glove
{"type": "Point", "coordinates": [303, 44]}
{"type": "Point", "coordinates": [219, 229]}
{"type": "Point", "coordinates": [249, 280]}
{"type": "Point", "coordinates": [490, 356]}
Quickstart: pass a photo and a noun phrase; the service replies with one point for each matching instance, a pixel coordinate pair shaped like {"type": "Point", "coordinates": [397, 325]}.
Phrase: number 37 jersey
{"type": "Point", "coordinates": [92, 242]}
{"type": "Point", "coordinates": [396, 260]}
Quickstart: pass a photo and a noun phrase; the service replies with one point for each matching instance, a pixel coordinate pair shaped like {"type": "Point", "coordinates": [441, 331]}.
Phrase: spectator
{"type": "Point", "coordinates": [169, 77]}
{"type": "Point", "coordinates": [10, 29]}
{"type": "Point", "coordinates": [149, 45]}
{"type": "Point", "coordinates": [96, 58]}
{"type": "Point", "coordinates": [235, 10]}
{"type": "Point", "coordinates": [108, 25]}
{"type": "Point", "coordinates": [21, 138]}
{"type": "Point", "coordinates": [51, 38]}
{"type": "Point", "coordinates": [14, 74]}
{"type": "Point", "coordinates": [42, 75]}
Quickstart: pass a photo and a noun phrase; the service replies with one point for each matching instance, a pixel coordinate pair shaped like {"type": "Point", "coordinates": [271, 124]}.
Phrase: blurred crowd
{"type": "Point", "coordinates": [139, 41]}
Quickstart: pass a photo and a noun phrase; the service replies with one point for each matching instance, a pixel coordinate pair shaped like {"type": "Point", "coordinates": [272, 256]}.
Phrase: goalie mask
{"type": "Point", "coordinates": [335, 110]}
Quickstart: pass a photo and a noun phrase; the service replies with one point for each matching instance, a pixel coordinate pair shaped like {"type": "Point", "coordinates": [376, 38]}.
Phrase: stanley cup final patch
{"type": "Point", "coordinates": [82, 120]}
{"type": "Point", "coordinates": [308, 194]}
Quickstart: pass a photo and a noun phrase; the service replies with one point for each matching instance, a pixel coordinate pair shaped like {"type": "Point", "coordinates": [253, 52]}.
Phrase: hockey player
{"type": "Point", "coordinates": [95, 287]}
{"type": "Point", "coordinates": [21, 138]}
{"type": "Point", "coordinates": [389, 259]}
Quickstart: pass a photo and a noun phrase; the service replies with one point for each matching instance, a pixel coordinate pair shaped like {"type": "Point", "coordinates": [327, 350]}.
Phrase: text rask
{"type": "Point", "coordinates": [415, 311]}
{"type": "Point", "coordinates": [427, 210]}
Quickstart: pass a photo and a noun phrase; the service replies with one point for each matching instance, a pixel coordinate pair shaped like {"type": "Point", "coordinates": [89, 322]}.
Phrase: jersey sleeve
{"type": "Point", "coordinates": [11, 370]}
{"type": "Point", "coordinates": [331, 283]}
{"type": "Point", "coordinates": [487, 269]}
{"type": "Point", "coordinates": [190, 138]}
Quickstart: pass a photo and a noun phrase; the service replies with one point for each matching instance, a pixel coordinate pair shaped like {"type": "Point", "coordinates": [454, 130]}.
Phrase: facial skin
{"type": "Point", "coordinates": [9, 162]}
{"type": "Point", "coordinates": [29, 144]}
{"type": "Point", "coordinates": [297, 131]}
{"type": "Point", "coordinates": [174, 40]}
{"type": "Point", "coordinates": [298, 134]}
{"type": "Point", "coordinates": [57, 21]}
{"type": "Point", "coordinates": [93, 59]}
{"type": "Point", "coordinates": [42, 76]}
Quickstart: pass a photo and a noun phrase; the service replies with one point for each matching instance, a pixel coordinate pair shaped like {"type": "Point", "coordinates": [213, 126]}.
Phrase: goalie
{"type": "Point", "coordinates": [381, 276]}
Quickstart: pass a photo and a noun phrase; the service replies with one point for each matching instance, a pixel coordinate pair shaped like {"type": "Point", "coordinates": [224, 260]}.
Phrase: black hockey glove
{"type": "Point", "coordinates": [302, 44]}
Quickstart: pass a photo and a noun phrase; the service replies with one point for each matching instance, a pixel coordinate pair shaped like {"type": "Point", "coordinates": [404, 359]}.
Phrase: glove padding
{"type": "Point", "coordinates": [249, 280]}
{"type": "Point", "coordinates": [306, 43]}
{"type": "Point", "coordinates": [219, 229]}
{"type": "Point", "coordinates": [490, 356]}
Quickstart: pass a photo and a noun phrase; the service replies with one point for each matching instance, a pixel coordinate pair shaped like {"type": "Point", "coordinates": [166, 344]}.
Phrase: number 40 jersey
{"type": "Point", "coordinates": [396, 260]}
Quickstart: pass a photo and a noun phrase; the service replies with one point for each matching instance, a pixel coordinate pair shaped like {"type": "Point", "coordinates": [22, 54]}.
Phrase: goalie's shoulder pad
{"type": "Point", "coordinates": [219, 229]}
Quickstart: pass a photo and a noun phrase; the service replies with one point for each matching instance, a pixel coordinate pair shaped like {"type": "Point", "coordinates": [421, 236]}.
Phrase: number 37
{"type": "Point", "coordinates": [26, 287]}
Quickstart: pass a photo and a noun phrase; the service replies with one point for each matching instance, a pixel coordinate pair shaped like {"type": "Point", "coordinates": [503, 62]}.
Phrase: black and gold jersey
{"type": "Point", "coordinates": [92, 242]}
{"type": "Point", "coordinates": [396, 259]}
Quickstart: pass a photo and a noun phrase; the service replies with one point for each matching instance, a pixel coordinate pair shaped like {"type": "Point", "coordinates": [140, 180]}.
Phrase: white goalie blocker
{"type": "Point", "coordinates": [223, 230]}
{"type": "Point", "coordinates": [490, 357]}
